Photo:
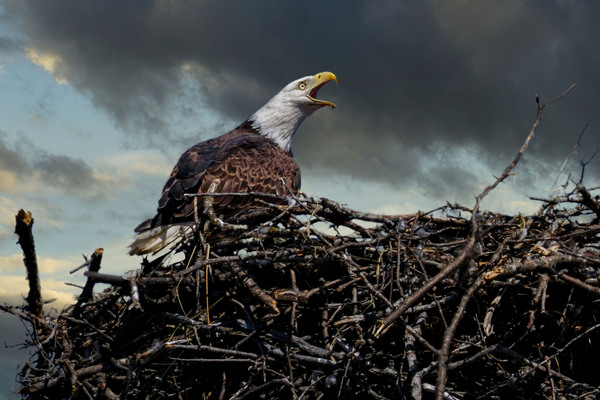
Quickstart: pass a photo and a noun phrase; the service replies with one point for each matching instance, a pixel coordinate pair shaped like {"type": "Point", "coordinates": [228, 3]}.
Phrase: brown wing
{"type": "Point", "coordinates": [241, 161]}
{"type": "Point", "coordinates": [259, 169]}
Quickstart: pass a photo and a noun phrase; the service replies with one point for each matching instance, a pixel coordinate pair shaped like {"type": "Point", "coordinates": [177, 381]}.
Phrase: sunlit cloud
{"type": "Point", "coordinates": [144, 162]}
{"type": "Point", "coordinates": [47, 265]}
{"type": "Point", "coordinates": [14, 289]}
{"type": "Point", "coordinates": [12, 263]}
{"type": "Point", "coordinates": [52, 63]}
{"type": "Point", "coordinates": [11, 183]}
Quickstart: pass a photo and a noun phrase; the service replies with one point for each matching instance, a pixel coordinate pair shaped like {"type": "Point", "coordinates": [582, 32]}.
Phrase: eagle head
{"type": "Point", "coordinates": [281, 116]}
{"type": "Point", "coordinates": [303, 92]}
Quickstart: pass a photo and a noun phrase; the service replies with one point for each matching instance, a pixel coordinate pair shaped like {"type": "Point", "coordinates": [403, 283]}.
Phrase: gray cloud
{"type": "Point", "coordinates": [8, 45]}
{"type": "Point", "coordinates": [10, 159]}
{"type": "Point", "coordinates": [68, 174]}
{"type": "Point", "coordinates": [65, 172]}
{"type": "Point", "coordinates": [414, 76]}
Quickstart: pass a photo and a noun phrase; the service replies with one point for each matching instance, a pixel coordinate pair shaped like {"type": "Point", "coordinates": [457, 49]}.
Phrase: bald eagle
{"type": "Point", "coordinates": [254, 157]}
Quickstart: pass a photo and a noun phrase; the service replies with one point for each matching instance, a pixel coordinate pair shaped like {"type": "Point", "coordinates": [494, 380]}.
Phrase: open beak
{"type": "Point", "coordinates": [320, 79]}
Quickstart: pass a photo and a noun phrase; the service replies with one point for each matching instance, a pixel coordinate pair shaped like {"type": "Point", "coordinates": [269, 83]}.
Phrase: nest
{"type": "Point", "coordinates": [320, 301]}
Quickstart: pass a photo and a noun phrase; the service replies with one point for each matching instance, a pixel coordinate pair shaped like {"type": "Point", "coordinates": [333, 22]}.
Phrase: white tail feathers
{"type": "Point", "coordinates": [158, 238]}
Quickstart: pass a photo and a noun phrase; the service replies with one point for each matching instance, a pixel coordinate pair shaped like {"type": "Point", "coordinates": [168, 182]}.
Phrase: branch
{"type": "Point", "coordinates": [88, 289]}
{"type": "Point", "coordinates": [573, 151]}
{"type": "Point", "coordinates": [515, 161]}
{"type": "Point", "coordinates": [23, 229]}
{"type": "Point", "coordinates": [406, 304]}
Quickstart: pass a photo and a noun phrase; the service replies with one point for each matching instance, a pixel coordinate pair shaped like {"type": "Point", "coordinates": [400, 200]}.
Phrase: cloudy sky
{"type": "Point", "coordinates": [98, 99]}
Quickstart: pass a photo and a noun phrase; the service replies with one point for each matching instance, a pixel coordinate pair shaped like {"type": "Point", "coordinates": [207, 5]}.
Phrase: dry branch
{"type": "Point", "coordinates": [296, 303]}
{"type": "Point", "coordinates": [404, 306]}
{"type": "Point", "coordinates": [23, 229]}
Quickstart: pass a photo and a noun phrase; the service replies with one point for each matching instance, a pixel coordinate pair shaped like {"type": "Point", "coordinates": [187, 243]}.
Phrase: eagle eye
{"type": "Point", "coordinates": [302, 85]}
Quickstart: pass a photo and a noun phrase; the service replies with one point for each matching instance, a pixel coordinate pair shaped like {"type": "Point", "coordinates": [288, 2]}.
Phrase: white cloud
{"type": "Point", "coordinates": [47, 265]}
{"type": "Point", "coordinates": [42, 215]}
{"type": "Point", "coordinates": [11, 183]}
{"type": "Point", "coordinates": [12, 263]}
{"type": "Point", "coordinates": [145, 162]}
{"type": "Point", "coordinates": [13, 290]}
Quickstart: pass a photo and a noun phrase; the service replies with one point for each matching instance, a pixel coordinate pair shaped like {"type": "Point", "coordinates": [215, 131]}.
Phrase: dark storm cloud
{"type": "Point", "coordinates": [411, 74]}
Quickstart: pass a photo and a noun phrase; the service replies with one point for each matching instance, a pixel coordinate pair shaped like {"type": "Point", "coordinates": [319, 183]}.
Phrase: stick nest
{"type": "Point", "coordinates": [317, 301]}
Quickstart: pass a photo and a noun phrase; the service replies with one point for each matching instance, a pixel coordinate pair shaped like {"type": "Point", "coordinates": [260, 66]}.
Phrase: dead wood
{"type": "Point", "coordinates": [314, 300]}
{"type": "Point", "coordinates": [23, 229]}
{"type": "Point", "coordinates": [299, 310]}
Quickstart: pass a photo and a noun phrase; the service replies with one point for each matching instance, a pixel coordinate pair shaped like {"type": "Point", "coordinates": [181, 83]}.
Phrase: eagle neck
{"type": "Point", "coordinates": [279, 123]}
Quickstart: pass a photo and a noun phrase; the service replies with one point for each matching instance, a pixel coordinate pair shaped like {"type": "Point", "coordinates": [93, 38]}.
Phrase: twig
{"type": "Point", "coordinates": [573, 151]}
{"type": "Point", "coordinates": [449, 335]}
{"type": "Point", "coordinates": [515, 161]}
{"type": "Point", "coordinates": [446, 271]}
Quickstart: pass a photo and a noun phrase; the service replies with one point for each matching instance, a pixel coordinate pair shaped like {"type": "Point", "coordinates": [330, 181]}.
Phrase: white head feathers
{"type": "Point", "coordinates": [282, 115]}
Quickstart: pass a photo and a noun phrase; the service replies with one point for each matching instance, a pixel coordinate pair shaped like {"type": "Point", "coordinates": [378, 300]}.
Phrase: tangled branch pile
{"type": "Point", "coordinates": [299, 310]}
{"type": "Point", "coordinates": [317, 301]}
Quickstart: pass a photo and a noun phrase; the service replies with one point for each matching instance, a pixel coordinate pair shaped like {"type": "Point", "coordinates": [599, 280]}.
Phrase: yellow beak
{"type": "Point", "coordinates": [320, 79]}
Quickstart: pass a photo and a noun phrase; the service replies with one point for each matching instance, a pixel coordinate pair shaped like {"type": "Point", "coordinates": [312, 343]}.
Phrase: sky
{"type": "Point", "coordinates": [434, 99]}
